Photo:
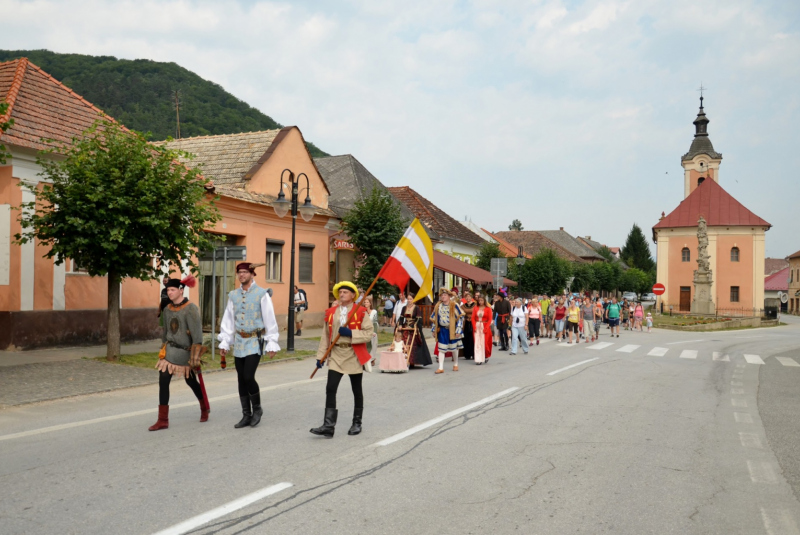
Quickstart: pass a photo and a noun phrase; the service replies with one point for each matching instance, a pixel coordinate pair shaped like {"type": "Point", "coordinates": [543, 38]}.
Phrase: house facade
{"type": "Point", "coordinates": [794, 283]}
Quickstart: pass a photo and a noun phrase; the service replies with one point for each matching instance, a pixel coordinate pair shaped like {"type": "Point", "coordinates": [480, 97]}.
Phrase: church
{"type": "Point", "coordinates": [735, 237]}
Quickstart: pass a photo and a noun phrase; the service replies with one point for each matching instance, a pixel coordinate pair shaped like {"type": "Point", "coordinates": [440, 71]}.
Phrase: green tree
{"type": "Point", "coordinates": [374, 225]}
{"type": "Point", "coordinates": [636, 252]}
{"type": "Point", "coordinates": [544, 273]}
{"type": "Point", "coordinates": [119, 207]}
{"type": "Point", "coordinates": [606, 275]}
{"type": "Point", "coordinates": [488, 251]}
{"type": "Point", "coordinates": [584, 279]}
{"type": "Point", "coordinates": [606, 253]}
{"type": "Point", "coordinates": [5, 124]}
{"type": "Point", "coordinates": [635, 280]}
{"type": "Point", "coordinates": [515, 225]}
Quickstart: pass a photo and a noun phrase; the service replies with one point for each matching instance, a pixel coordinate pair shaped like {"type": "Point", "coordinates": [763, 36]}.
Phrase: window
{"type": "Point", "coordinates": [734, 294]}
{"type": "Point", "coordinates": [76, 268]}
{"type": "Point", "coordinates": [701, 180]}
{"type": "Point", "coordinates": [306, 273]}
{"type": "Point", "coordinates": [274, 259]}
{"type": "Point", "coordinates": [734, 254]}
{"type": "Point", "coordinates": [686, 256]}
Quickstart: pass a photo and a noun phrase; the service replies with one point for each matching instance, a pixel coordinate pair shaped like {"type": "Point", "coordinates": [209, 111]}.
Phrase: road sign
{"type": "Point", "coordinates": [659, 288]}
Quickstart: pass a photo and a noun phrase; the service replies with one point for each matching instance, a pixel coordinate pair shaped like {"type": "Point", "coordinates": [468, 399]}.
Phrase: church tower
{"type": "Point", "coordinates": [702, 161]}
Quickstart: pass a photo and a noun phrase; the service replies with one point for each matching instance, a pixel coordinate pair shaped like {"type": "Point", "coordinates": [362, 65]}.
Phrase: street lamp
{"type": "Point", "coordinates": [520, 259]}
{"type": "Point", "coordinates": [281, 207]}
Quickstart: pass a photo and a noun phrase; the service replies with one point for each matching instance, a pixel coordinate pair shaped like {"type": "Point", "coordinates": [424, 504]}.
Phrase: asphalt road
{"type": "Point", "coordinates": [647, 433]}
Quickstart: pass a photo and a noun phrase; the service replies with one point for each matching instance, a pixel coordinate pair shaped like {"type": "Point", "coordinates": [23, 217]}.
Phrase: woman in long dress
{"type": "Point", "coordinates": [411, 318]}
{"type": "Point", "coordinates": [482, 329]}
{"type": "Point", "coordinates": [469, 340]}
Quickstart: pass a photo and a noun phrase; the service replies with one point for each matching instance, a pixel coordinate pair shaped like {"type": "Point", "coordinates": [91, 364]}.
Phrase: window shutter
{"type": "Point", "coordinates": [306, 264]}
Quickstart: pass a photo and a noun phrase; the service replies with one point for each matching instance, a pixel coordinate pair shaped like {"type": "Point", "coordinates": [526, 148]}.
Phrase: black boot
{"type": "Point", "coordinates": [247, 413]}
{"type": "Point", "coordinates": [255, 399]}
{"type": "Point", "coordinates": [327, 428]}
{"type": "Point", "coordinates": [356, 427]}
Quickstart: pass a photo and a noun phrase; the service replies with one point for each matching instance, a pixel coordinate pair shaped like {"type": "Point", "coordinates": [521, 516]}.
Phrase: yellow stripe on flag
{"type": "Point", "coordinates": [425, 289]}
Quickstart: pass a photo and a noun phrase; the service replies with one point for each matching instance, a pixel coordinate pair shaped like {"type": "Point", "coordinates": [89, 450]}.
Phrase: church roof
{"type": "Point", "coordinates": [718, 207]}
{"type": "Point", "coordinates": [701, 144]}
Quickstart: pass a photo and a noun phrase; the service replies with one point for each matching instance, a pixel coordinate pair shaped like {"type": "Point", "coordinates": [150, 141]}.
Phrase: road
{"type": "Point", "coordinates": [668, 432]}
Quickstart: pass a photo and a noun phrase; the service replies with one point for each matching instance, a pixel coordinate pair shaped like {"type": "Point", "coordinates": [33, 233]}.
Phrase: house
{"type": "Point", "coordinates": [247, 171]}
{"type": "Point", "coordinates": [43, 303]}
{"type": "Point", "coordinates": [559, 241]}
{"type": "Point", "coordinates": [735, 236]}
{"type": "Point", "coordinates": [794, 283]}
{"type": "Point", "coordinates": [774, 265]}
{"type": "Point", "coordinates": [509, 250]}
{"type": "Point", "coordinates": [776, 288]}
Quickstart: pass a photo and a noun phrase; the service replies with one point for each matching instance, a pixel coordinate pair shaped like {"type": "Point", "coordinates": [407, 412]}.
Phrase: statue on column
{"type": "Point", "coordinates": [702, 303]}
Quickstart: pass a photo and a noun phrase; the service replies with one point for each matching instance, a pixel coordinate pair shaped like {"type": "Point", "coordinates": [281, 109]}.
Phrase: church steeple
{"type": "Point", "coordinates": [701, 123]}
{"type": "Point", "coordinates": [702, 161]}
{"type": "Point", "coordinates": [701, 143]}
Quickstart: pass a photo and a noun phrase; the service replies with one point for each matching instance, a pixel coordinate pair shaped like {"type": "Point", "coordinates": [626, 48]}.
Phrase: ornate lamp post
{"type": "Point", "coordinates": [281, 207]}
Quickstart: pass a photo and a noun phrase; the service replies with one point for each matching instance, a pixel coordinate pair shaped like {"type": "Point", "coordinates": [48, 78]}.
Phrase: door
{"type": "Point", "coordinates": [686, 299]}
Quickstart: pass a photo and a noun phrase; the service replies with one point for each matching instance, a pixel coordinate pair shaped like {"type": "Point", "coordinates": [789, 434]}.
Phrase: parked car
{"type": "Point", "coordinates": [630, 296]}
{"type": "Point", "coordinates": [649, 297]}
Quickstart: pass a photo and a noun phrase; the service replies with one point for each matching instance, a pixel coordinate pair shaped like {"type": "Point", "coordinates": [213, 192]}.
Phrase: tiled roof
{"type": "Point", "coordinates": [226, 159]}
{"type": "Point", "coordinates": [565, 240]}
{"type": "Point", "coordinates": [238, 192]}
{"type": "Point", "coordinates": [795, 255]}
{"type": "Point", "coordinates": [718, 207]}
{"type": "Point", "coordinates": [484, 235]}
{"type": "Point", "coordinates": [433, 217]}
{"type": "Point", "coordinates": [589, 242]}
{"type": "Point", "coordinates": [42, 107]}
{"type": "Point", "coordinates": [773, 265]}
{"type": "Point", "coordinates": [777, 281]}
{"type": "Point", "coordinates": [533, 243]}
{"type": "Point", "coordinates": [506, 248]}
{"type": "Point", "coordinates": [464, 270]}
{"type": "Point", "coordinates": [349, 181]}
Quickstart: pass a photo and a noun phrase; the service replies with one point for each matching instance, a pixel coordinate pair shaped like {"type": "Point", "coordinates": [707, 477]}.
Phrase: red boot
{"type": "Point", "coordinates": [204, 410]}
{"type": "Point", "coordinates": [163, 418]}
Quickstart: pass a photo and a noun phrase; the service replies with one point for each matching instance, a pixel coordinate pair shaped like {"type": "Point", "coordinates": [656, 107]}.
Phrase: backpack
{"type": "Point", "coordinates": [305, 298]}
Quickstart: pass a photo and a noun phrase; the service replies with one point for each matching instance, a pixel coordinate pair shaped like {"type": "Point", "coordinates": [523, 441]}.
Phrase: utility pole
{"type": "Point", "coordinates": [176, 97]}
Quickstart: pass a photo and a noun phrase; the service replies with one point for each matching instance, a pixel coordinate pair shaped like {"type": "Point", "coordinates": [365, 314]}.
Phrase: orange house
{"type": "Point", "coordinates": [735, 237]}
{"type": "Point", "coordinates": [43, 304]}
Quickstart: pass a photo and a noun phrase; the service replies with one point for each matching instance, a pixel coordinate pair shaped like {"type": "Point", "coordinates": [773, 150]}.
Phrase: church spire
{"type": "Point", "coordinates": [701, 143]}
{"type": "Point", "coordinates": [701, 123]}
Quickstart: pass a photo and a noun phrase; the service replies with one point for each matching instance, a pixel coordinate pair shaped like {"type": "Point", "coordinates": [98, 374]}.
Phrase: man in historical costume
{"type": "Point", "coordinates": [249, 325]}
{"type": "Point", "coordinates": [503, 310]}
{"type": "Point", "coordinates": [346, 357]}
{"type": "Point", "coordinates": [411, 321]}
{"type": "Point", "coordinates": [182, 336]}
{"type": "Point", "coordinates": [447, 322]}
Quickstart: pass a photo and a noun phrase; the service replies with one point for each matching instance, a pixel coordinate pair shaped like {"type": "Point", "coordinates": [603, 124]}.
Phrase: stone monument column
{"type": "Point", "coordinates": [702, 302]}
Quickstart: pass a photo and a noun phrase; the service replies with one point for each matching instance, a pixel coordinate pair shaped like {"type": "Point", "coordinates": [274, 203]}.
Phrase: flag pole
{"type": "Point", "coordinates": [349, 319]}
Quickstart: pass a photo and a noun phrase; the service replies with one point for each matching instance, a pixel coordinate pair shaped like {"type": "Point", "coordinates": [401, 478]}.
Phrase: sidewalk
{"type": "Point", "coordinates": [47, 374]}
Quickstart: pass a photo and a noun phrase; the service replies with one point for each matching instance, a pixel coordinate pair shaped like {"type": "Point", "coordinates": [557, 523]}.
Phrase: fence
{"type": "Point", "coordinates": [742, 312]}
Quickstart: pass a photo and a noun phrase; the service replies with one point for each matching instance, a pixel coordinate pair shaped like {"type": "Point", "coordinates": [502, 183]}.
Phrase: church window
{"type": "Point", "coordinates": [734, 254]}
{"type": "Point", "coordinates": [701, 180]}
{"type": "Point", "coordinates": [734, 294]}
{"type": "Point", "coordinates": [685, 255]}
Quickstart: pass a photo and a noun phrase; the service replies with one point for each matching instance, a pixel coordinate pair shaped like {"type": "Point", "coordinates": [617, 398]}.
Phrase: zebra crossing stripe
{"type": "Point", "coordinates": [658, 352]}
{"type": "Point", "coordinates": [720, 357]}
{"type": "Point", "coordinates": [688, 354]}
{"type": "Point", "coordinates": [599, 345]}
{"type": "Point", "coordinates": [628, 348]}
{"type": "Point", "coordinates": [753, 359]}
{"type": "Point", "coordinates": [786, 361]}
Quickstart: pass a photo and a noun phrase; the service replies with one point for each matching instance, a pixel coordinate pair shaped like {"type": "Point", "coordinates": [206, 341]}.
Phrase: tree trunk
{"type": "Point", "coordinates": [112, 350]}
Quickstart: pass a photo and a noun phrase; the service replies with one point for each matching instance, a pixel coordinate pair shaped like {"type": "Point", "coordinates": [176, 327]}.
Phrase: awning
{"type": "Point", "coordinates": [456, 267]}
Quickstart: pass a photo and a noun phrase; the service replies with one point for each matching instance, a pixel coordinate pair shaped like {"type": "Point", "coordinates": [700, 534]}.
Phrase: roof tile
{"type": "Point", "coordinates": [434, 217]}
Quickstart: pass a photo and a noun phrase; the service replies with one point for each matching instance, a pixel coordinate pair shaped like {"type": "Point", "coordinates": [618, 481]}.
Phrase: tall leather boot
{"type": "Point", "coordinates": [204, 410]}
{"type": "Point", "coordinates": [327, 428]}
{"type": "Point", "coordinates": [163, 418]}
{"type": "Point", "coordinates": [255, 399]}
{"type": "Point", "coordinates": [356, 427]}
{"type": "Point", "coordinates": [247, 413]}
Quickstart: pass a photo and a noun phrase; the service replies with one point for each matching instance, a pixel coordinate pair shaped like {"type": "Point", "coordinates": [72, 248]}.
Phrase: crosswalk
{"type": "Point", "coordinates": [687, 354]}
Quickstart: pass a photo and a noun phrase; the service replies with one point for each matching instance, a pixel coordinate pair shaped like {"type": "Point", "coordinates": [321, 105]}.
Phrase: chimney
{"type": "Point", "coordinates": [588, 237]}
{"type": "Point", "coordinates": [560, 228]}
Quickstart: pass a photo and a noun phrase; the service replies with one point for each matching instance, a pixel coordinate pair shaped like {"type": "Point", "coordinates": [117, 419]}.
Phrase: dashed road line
{"type": "Point", "coordinates": [761, 472]}
{"type": "Point", "coordinates": [572, 366]}
{"type": "Point", "coordinates": [742, 418]}
{"type": "Point", "coordinates": [753, 359]}
{"type": "Point", "coordinates": [737, 391]}
{"type": "Point", "coordinates": [688, 354]}
{"type": "Point", "coordinates": [779, 522]}
{"type": "Point", "coordinates": [684, 342]}
{"type": "Point", "coordinates": [658, 352]}
{"type": "Point", "coordinates": [736, 402]}
{"type": "Point", "coordinates": [750, 440]}
{"type": "Point", "coordinates": [787, 361]}
{"type": "Point", "coordinates": [600, 345]}
{"type": "Point", "coordinates": [630, 348]}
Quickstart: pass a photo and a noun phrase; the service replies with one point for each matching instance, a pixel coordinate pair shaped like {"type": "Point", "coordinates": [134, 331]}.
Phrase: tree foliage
{"type": "Point", "coordinates": [138, 93]}
{"type": "Point", "coordinates": [583, 278]}
{"type": "Point", "coordinates": [606, 275]}
{"type": "Point", "coordinates": [636, 251]}
{"type": "Point", "coordinates": [544, 273]}
{"type": "Point", "coordinates": [515, 225]}
{"type": "Point", "coordinates": [4, 125]}
{"type": "Point", "coordinates": [636, 280]}
{"type": "Point", "coordinates": [119, 207]}
{"type": "Point", "coordinates": [374, 225]}
{"type": "Point", "coordinates": [488, 251]}
{"type": "Point", "coordinates": [606, 253]}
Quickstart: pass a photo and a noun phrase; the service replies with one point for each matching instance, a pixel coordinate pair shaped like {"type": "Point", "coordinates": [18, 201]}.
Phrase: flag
{"type": "Point", "coordinates": [412, 259]}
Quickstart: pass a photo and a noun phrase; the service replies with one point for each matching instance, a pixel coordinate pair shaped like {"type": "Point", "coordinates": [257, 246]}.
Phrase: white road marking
{"type": "Point", "coordinates": [742, 418]}
{"type": "Point", "coordinates": [740, 365]}
{"type": "Point", "coordinates": [735, 391]}
{"type": "Point", "coordinates": [787, 361]}
{"type": "Point", "coordinates": [600, 345]}
{"type": "Point", "coordinates": [750, 440]}
{"type": "Point", "coordinates": [564, 344]}
{"type": "Point", "coordinates": [197, 521]}
{"type": "Point", "coordinates": [684, 342]}
{"type": "Point", "coordinates": [753, 359]}
{"type": "Point", "coordinates": [658, 352]}
{"type": "Point", "coordinates": [736, 383]}
{"type": "Point", "coordinates": [430, 423]}
{"type": "Point", "coordinates": [81, 423]}
{"type": "Point", "coordinates": [779, 522]}
{"type": "Point", "coordinates": [761, 472]}
{"type": "Point", "coordinates": [628, 348]}
{"type": "Point", "coordinates": [738, 402]}
{"type": "Point", "coordinates": [746, 337]}
{"type": "Point", "coordinates": [572, 366]}
{"type": "Point", "coordinates": [688, 354]}
{"type": "Point", "coordinates": [720, 357]}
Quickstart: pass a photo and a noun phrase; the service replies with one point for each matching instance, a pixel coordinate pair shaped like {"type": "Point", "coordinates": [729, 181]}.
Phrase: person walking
{"type": "Point", "coordinates": [388, 307]}
{"type": "Point", "coordinates": [398, 308]}
{"type": "Point", "coordinates": [373, 317]}
{"type": "Point", "coordinates": [626, 315]}
{"type": "Point", "coordinates": [519, 327]}
{"type": "Point", "coordinates": [534, 320]}
{"type": "Point", "coordinates": [503, 310]}
{"type": "Point", "coordinates": [300, 305]}
{"type": "Point", "coordinates": [182, 336]}
{"type": "Point", "coordinates": [447, 323]}
{"type": "Point", "coordinates": [649, 322]}
{"type": "Point", "coordinates": [250, 326]}
{"type": "Point", "coordinates": [411, 321]}
{"type": "Point", "coordinates": [560, 315]}
{"type": "Point", "coordinates": [467, 305]}
{"type": "Point", "coordinates": [544, 302]}
{"type": "Point", "coordinates": [598, 317]}
{"type": "Point", "coordinates": [573, 320]}
{"type": "Point", "coordinates": [345, 357]}
{"type": "Point", "coordinates": [612, 315]}
{"type": "Point", "coordinates": [481, 327]}
{"type": "Point", "coordinates": [638, 316]}
{"type": "Point", "coordinates": [587, 317]}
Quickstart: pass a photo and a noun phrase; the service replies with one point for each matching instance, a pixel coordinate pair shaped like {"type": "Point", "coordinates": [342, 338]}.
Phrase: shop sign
{"type": "Point", "coordinates": [342, 244]}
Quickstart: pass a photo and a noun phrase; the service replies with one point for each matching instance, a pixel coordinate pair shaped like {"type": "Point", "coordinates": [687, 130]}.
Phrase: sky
{"type": "Point", "coordinates": [558, 113]}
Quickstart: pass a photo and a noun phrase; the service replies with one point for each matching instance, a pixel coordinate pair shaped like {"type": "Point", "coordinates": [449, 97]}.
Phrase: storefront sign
{"type": "Point", "coordinates": [342, 244]}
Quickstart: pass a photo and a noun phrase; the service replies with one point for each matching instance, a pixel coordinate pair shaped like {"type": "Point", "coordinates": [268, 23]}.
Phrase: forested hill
{"type": "Point", "coordinates": [139, 94]}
